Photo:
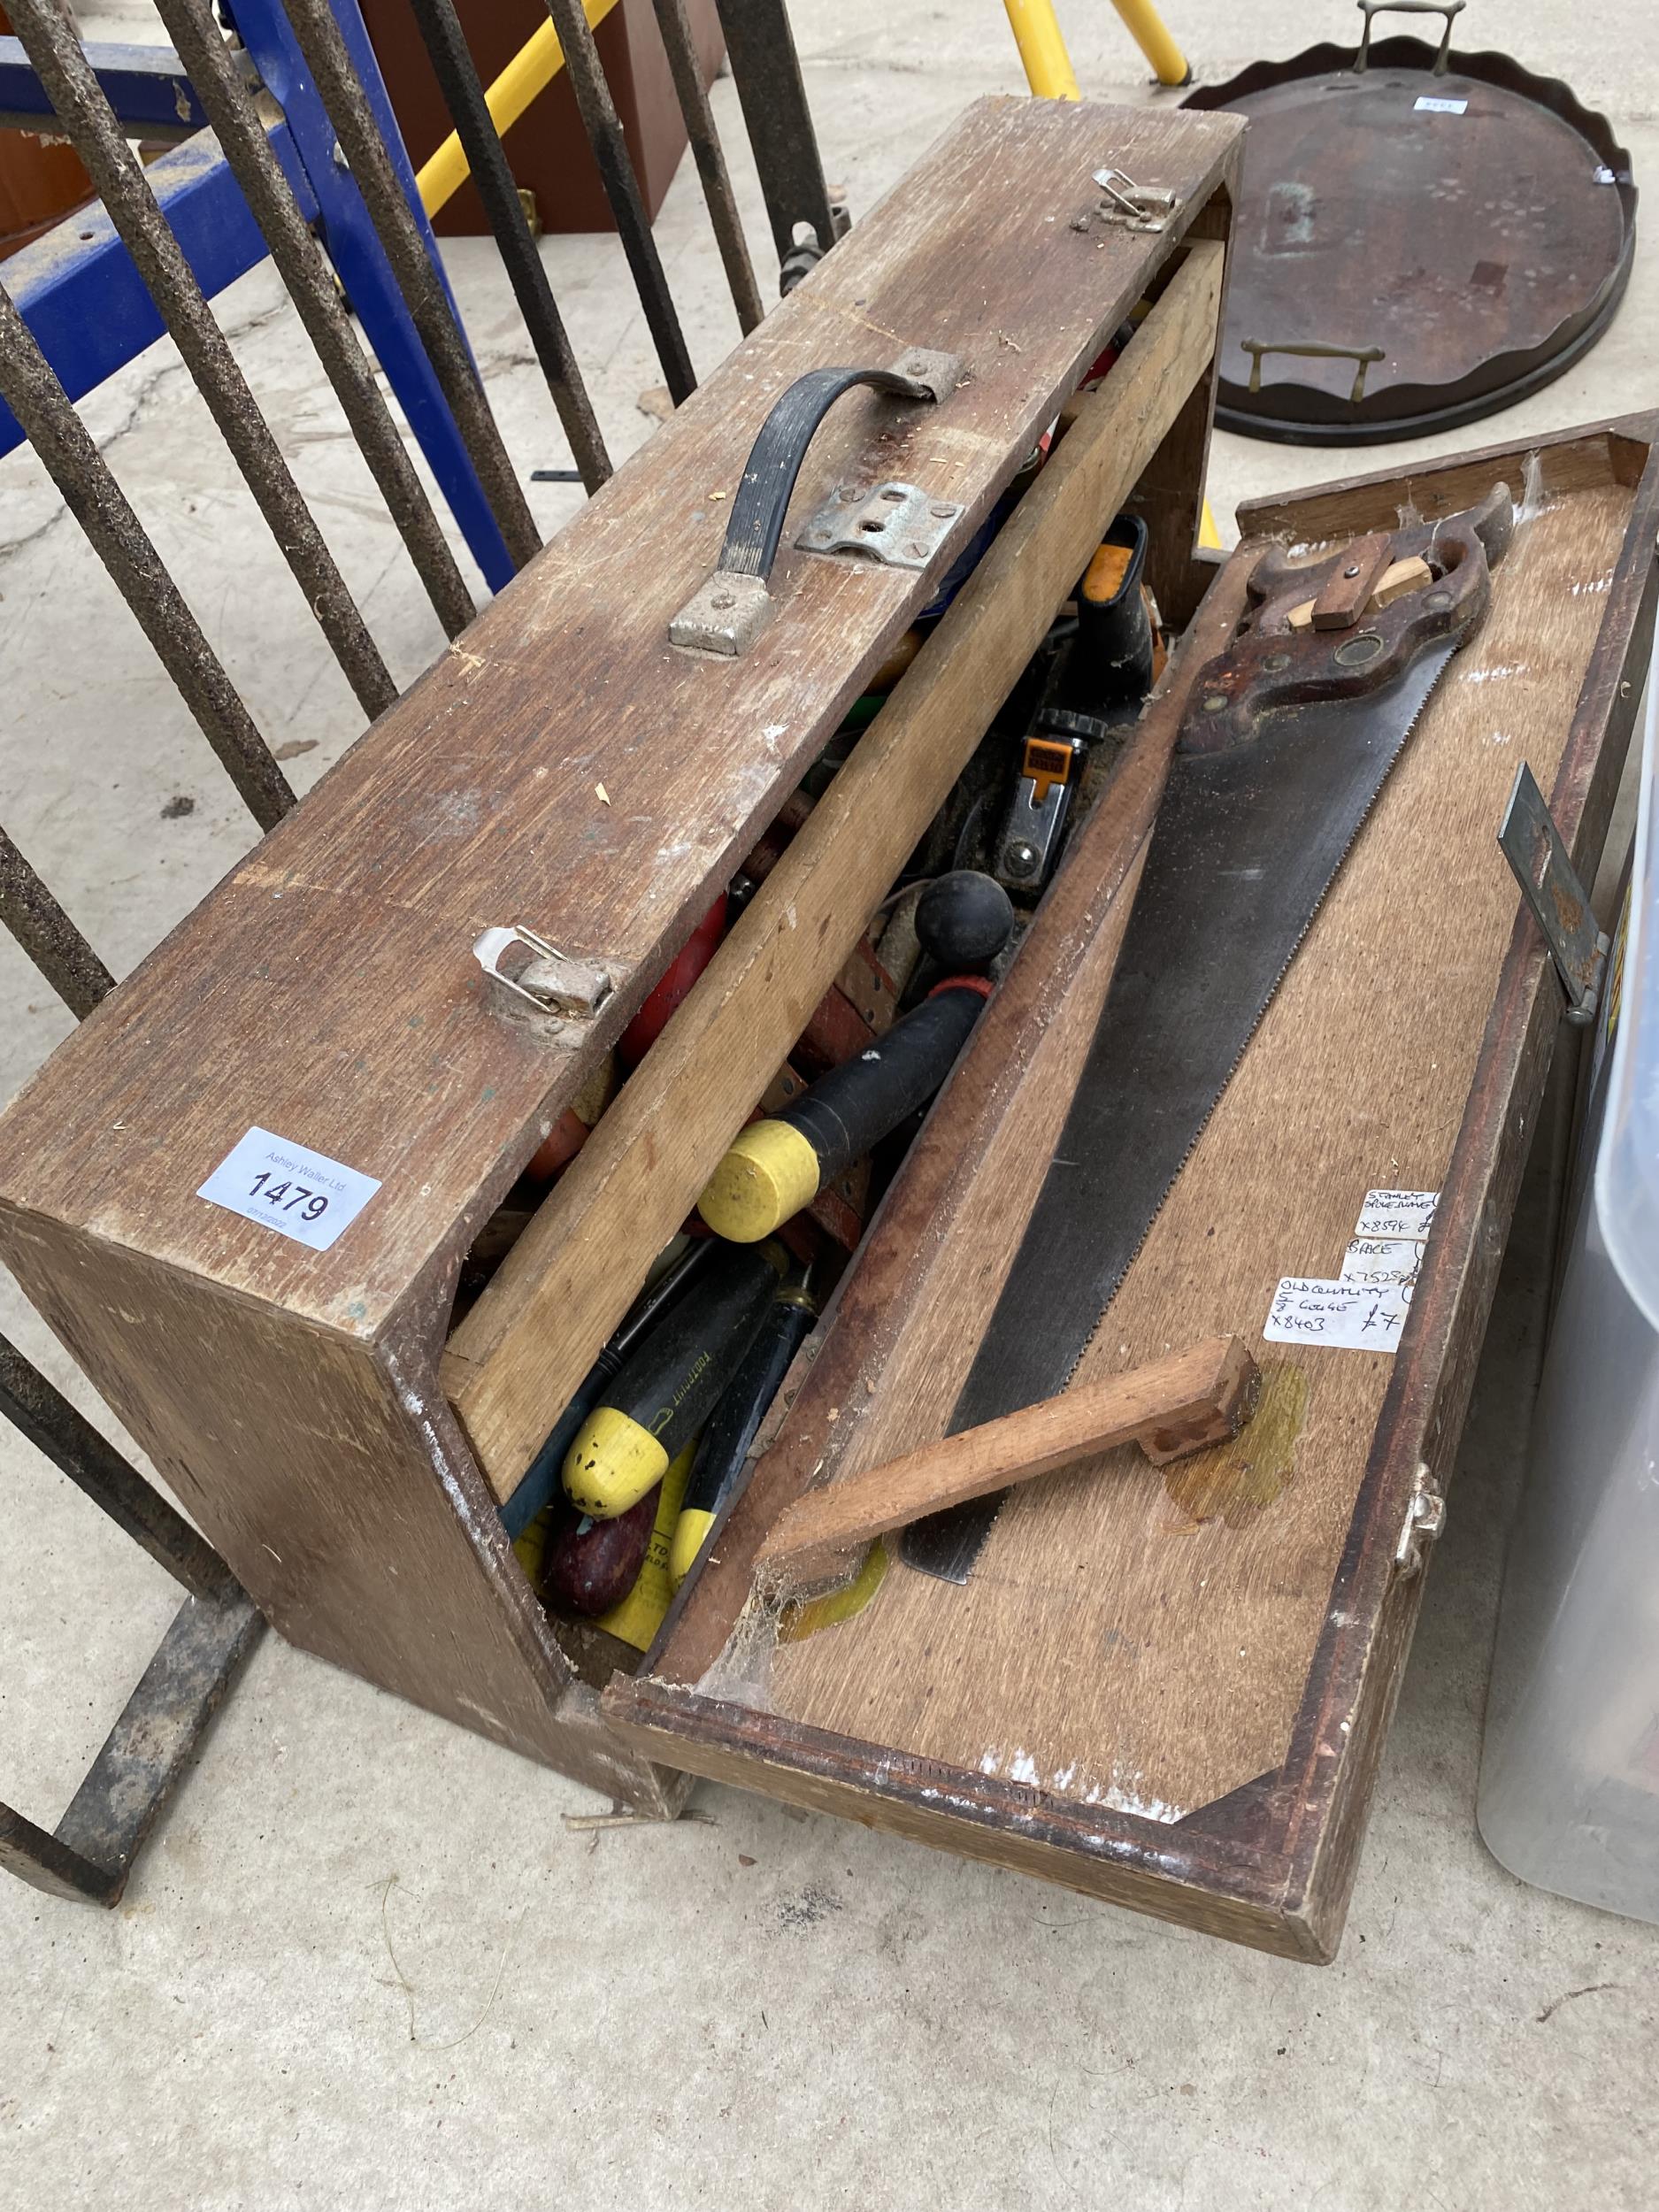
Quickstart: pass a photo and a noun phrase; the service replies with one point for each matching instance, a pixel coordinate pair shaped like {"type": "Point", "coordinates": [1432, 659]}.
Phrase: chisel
{"type": "Point", "coordinates": [733, 1423]}
{"type": "Point", "coordinates": [666, 1389]}
{"type": "Point", "coordinates": [541, 1477]}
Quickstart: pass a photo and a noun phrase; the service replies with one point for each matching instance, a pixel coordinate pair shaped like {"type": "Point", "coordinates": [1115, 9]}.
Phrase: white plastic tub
{"type": "Point", "coordinates": [1570, 1775]}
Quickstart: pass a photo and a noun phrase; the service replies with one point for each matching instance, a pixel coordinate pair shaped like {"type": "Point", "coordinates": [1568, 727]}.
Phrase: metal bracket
{"type": "Point", "coordinates": [1132, 206]}
{"type": "Point", "coordinates": [1549, 883]}
{"type": "Point", "coordinates": [899, 524]}
{"type": "Point", "coordinates": [1425, 1517]}
{"type": "Point", "coordinates": [550, 980]}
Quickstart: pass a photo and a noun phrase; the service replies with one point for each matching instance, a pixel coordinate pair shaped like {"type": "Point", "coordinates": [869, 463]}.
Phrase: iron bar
{"type": "Point", "coordinates": [675, 27]}
{"type": "Point", "coordinates": [603, 128]}
{"type": "Point", "coordinates": [218, 83]}
{"type": "Point", "coordinates": [463, 90]}
{"type": "Point", "coordinates": [53, 49]}
{"type": "Point", "coordinates": [366, 155]}
{"type": "Point", "coordinates": [36, 1856]}
{"type": "Point", "coordinates": [93, 496]}
{"type": "Point", "coordinates": [93, 1464]}
{"type": "Point", "coordinates": [47, 935]}
{"type": "Point", "coordinates": [91, 1854]}
{"type": "Point", "coordinates": [767, 74]}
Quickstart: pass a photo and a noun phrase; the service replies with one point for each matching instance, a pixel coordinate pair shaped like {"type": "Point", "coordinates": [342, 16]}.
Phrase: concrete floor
{"type": "Point", "coordinates": [365, 1963]}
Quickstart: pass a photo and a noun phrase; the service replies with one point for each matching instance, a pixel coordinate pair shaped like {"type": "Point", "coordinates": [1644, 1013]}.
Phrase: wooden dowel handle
{"type": "Point", "coordinates": [1193, 1398]}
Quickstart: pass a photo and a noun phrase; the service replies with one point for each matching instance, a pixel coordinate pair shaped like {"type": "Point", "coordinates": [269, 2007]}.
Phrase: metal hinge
{"type": "Point", "coordinates": [550, 980]}
{"type": "Point", "coordinates": [1549, 883]}
{"type": "Point", "coordinates": [1425, 1517]}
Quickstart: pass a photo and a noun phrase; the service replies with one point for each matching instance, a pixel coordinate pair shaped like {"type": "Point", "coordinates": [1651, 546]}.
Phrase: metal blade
{"type": "Point", "coordinates": [1248, 843]}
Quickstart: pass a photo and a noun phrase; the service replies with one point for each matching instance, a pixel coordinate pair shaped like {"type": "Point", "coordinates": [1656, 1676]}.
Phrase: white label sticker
{"type": "Point", "coordinates": [302, 1195]}
{"type": "Point", "coordinates": [1441, 107]}
{"type": "Point", "coordinates": [1397, 1213]}
{"type": "Point", "coordinates": [1382, 1260]}
{"type": "Point", "coordinates": [1348, 1317]}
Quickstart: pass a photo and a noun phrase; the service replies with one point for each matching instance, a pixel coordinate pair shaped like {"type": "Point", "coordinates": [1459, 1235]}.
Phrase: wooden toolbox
{"type": "Point", "coordinates": [1169, 1689]}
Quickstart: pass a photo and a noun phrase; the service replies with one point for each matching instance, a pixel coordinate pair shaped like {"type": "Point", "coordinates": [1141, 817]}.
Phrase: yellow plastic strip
{"type": "Point", "coordinates": [1146, 27]}
{"type": "Point", "coordinates": [530, 72]}
{"type": "Point", "coordinates": [1042, 49]}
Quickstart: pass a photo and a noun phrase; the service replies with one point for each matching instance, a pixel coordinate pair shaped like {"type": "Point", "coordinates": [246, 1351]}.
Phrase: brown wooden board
{"type": "Point", "coordinates": [562, 765]}
{"type": "Point", "coordinates": [1171, 1687]}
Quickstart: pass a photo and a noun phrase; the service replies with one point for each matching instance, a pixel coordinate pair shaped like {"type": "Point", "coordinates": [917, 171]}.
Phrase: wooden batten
{"type": "Point", "coordinates": [1194, 1398]}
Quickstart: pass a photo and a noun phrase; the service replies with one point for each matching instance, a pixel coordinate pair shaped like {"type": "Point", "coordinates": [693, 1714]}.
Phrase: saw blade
{"type": "Point", "coordinates": [1247, 844]}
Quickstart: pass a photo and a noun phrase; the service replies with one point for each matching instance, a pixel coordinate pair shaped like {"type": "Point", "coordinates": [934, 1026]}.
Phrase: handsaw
{"type": "Point", "coordinates": [1286, 739]}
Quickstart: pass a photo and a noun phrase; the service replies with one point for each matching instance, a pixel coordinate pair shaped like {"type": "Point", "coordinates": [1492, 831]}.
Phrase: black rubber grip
{"type": "Point", "coordinates": [742, 1407]}
{"type": "Point", "coordinates": [671, 1383]}
{"type": "Point", "coordinates": [1112, 658]}
{"type": "Point", "coordinates": [857, 1104]}
{"type": "Point", "coordinates": [774, 461]}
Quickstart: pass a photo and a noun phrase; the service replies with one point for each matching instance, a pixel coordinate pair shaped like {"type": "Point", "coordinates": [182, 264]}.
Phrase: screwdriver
{"type": "Point", "coordinates": [776, 1167]}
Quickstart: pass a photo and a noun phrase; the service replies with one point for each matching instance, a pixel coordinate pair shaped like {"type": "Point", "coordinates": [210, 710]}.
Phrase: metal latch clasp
{"type": "Point", "coordinates": [1425, 1517]}
{"type": "Point", "coordinates": [1134, 206]}
{"type": "Point", "coordinates": [1549, 883]}
{"type": "Point", "coordinates": [550, 980]}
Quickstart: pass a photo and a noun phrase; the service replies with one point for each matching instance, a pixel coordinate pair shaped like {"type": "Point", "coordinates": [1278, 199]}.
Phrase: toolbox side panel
{"type": "Point", "coordinates": [332, 1481]}
{"type": "Point", "coordinates": [987, 1821]}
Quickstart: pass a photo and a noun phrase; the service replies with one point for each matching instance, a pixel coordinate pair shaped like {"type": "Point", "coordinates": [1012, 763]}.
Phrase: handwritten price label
{"type": "Point", "coordinates": [299, 1193]}
{"type": "Point", "coordinates": [1397, 1213]}
{"type": "Point", "coordinates": [1349, 1317]}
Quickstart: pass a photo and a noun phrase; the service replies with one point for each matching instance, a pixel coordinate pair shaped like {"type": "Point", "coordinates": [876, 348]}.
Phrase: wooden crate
{"type": "Point", "coordinates": [564, 766]}
{"type": "Point", "coordinates": [1170, 1687]}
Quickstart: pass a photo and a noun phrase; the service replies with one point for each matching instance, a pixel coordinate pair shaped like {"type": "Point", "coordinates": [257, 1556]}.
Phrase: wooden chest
{"type": "Point", "coordinates": [1171, 1697]}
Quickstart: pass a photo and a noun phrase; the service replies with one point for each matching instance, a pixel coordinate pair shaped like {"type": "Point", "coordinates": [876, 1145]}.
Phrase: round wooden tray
{"type": "Point", "coordinates": [1421, 238]}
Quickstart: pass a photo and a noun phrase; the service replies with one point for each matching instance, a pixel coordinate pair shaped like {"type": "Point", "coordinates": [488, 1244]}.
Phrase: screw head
{"type": "Point", "coordinates": [1215, 703]}
{"type": "Point", "coordinates": [1275, 662]}
{"type": "Point", "coordinates": [1021, 858]}
{"type": "Point", "coordinates": [1437, 599]}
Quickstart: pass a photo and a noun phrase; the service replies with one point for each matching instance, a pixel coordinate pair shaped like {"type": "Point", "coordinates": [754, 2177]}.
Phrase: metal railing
{"type": "Point", "coordinates": [304, 134]}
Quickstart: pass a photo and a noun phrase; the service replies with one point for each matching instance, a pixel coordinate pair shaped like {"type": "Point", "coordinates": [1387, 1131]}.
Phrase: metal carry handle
{"type": "Point", "coordinates": [728, 612]}
{"type": "Point", "coordinates": [1369, 8]}
{"type": "Point", "coordinates": [1314, 350]}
